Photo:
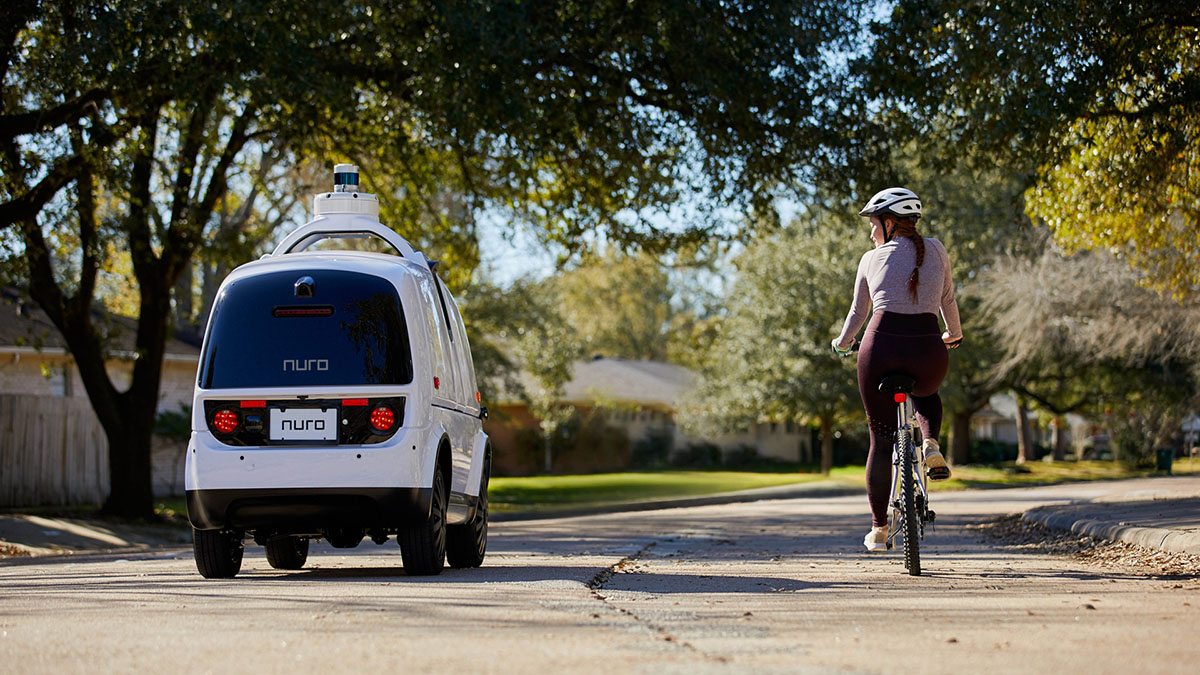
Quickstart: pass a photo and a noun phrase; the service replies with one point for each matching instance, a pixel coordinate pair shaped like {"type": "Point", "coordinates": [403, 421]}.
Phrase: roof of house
{"type": "Point", "coordinates": [622, 381]}
{"type": "Point", "coordinates": [24, 326]}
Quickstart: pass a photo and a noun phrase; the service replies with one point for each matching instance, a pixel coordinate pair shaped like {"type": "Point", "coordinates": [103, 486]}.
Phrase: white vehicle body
{"type": "Point", "coordinates": [297, 342]}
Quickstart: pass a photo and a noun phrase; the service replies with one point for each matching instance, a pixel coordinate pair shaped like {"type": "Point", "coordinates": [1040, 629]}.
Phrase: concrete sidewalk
{"type": "Point", "coordinates": [1168, 524]}
{"type": "Point", "coordinates": [33, 535]}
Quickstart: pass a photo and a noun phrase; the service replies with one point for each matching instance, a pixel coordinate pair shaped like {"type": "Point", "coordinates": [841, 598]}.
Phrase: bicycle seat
{"type": "Point", "coordinates": [897, 384]}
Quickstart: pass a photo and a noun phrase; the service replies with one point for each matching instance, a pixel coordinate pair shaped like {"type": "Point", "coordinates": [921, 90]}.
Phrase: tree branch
{"type": "Point", "coordinates": [45, 119]}
{"type": "Point", "coordinates": [26, 206]}
{"type": "Point", "coordinates": [184, 235]}
{"type": "Point", "coordinates": [141, 245]}
{"type": "Point", "coordinates": [187, 159]}
{"type": "Point", "coordinates": [85, 208]}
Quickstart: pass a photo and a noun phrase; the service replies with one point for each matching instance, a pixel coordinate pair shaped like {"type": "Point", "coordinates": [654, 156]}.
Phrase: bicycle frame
{"type": "Point", "coordinates": [904, 423]}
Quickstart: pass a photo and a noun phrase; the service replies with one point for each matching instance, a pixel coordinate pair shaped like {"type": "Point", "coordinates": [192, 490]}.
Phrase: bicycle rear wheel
{"type": "Point", "coordinates": [908, 501]}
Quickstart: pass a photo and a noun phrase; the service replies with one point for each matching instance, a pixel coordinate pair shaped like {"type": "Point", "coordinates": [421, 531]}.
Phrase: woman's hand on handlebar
{"type": "Point", "coordinates": [845, 352]}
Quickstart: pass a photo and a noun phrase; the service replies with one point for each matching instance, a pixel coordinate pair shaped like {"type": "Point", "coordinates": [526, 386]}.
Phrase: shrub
{"type": "Point", "coordinates": [697, 455]}
{"type": "Point", "coordinates": [987, 451]}
{"type": "Point", "coordinates": [653, 449]}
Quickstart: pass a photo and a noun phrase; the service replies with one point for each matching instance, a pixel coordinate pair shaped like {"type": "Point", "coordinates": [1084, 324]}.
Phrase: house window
{"type": "Point", "coordinates": [60, 381]}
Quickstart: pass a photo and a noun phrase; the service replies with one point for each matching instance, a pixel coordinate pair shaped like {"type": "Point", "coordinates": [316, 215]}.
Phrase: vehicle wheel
{"type": "Point", "coordinates": [218, 552]}
{"type": "Point", "coordinates": [423, 547]}
{"type": "Point", "coordinates": [466, 544]}
{"type": "Point", "coordinates": [287, 553]}
{"type": "Point", "coordinates": [912, 535]}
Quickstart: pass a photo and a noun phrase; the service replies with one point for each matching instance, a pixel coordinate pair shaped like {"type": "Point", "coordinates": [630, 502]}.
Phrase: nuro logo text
{"type": "Point", "coordinates": [303, 425]}
{"type": "Point", "coordinates": [301, 365]}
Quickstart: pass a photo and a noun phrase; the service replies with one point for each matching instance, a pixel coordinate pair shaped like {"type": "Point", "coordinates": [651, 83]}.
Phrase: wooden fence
{"type": "Point", "coordinates": [52, 451]}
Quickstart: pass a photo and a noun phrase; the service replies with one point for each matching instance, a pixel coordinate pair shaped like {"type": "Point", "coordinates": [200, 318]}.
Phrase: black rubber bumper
{"type": "Point", "coordinates": [307, 510]}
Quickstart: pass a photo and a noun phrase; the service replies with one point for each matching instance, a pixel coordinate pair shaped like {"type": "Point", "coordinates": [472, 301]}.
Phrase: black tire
{"type": "Point", "coordinates": [218, 553]}
{"type": "Point", "coordinates": [908, 498]}
{"type": "Point", "coordinates": [287, 553]}
{"type": "Point", "coordinates": [466, 544]}
{"type": "Point", "coordinates": [423, 547]}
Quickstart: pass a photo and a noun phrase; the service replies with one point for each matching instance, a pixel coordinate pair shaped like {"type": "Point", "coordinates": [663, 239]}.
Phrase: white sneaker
{"type": "Point", "coordinates": [876, 540]}
{"type": "Point", "coordinates": [938, 469]}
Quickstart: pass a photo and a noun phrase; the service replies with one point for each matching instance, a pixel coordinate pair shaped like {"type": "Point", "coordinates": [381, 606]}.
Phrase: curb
{"type": "Point", "coordinates": [757, 495]}
{"type": "Point", "coordinates": [1171, 541]}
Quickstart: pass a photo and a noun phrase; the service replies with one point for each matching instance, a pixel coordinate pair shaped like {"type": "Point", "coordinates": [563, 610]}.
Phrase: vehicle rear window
{"type": "Point", "coordinates": [350, 331]}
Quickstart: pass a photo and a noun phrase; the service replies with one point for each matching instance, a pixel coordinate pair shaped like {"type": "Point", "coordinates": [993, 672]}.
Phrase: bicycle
{"type": "Point", "coordinates": [909, 496]}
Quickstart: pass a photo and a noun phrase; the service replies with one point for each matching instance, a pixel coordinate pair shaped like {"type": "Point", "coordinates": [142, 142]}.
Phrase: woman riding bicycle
{"type": "Point", "coordinates": [905, 279]}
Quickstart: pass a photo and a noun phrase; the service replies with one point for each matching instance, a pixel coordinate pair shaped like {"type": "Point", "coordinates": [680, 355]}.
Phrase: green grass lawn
{"type": "Point", "coordinates": [548, 492]}
{"type": "Point", "coordinates": [537, 493]}
{"type": "Point", "coordinates": [1010, 474]}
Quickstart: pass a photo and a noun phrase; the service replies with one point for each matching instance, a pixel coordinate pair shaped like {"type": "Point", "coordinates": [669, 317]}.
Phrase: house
{"type": "Point", "coordinates": [52, 448]}
{"type": "Point", "coordinates": [628, 402]}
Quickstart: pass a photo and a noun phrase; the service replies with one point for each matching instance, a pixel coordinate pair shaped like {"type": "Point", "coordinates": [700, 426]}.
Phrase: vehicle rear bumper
{"type": "Point", "coordinates": [307, 510]}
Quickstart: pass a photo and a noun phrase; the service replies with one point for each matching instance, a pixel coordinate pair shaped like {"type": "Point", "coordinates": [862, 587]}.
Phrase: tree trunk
{"type": "Point", "coordinates": [131, 493]}
{"type": "Point", "coordinates": [1024, 447]}
{"type": "Point", "coordinates": [826, 444]}
{"type": "Point", "coordinates": [546, 448]}
{"type": "Point", "coordinates": [212, 277]}
{"type": "Point", "coordinates": [184, 321]}
{"type": "Point", "coordinates": [1060, 439]}
{"type": "Point", "coordinates": [960, 437]}
{"type": "Point", "coordinates": [129, 467]}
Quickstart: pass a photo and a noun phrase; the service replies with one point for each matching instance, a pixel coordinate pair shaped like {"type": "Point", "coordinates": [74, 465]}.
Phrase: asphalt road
{"type": "Point", "coordinates": [765, 587]}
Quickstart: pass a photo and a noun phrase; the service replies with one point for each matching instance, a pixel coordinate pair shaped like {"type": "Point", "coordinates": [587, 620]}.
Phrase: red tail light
{"type": "Point", "coordinates": [900, 398]}
{"type": "Point", "coordinates": [354, 401]}
{"type": "Point", "coordinates": [382, 418]}
{"type": "Point", "coordinates": [226, 421]}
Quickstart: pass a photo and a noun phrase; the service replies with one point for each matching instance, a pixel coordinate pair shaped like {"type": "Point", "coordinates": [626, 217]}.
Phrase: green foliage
{"type": "Point", "coordinates": [619, 305]}
{"type": "Point", "coordinates": [772, 356]}
{"type": "Point", "coordinates": [176, 426]}
{"type": "Point", "coordinates": [1079, 334]}
{"type": "Point", "coordinates": [992, 452]}
{"type": "Point", "coordinates": [496, 319]}
{"type": "Point", "coordinates": [1103, 98]}
{"type": "Point", "coordinates": [653, 449]}
{"type": "Point", "coordinates": [697, 456]}
{"type": "Point", "coordinates": [1131, 187]}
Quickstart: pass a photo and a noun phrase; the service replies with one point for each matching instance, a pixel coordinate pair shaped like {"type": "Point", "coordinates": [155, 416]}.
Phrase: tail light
{"type": "Point", "coordinates": [900, 398]}
{"type": "Point", "coordinates": [382, 418]}
{"type": "Point", "coordinates": [225, 421]}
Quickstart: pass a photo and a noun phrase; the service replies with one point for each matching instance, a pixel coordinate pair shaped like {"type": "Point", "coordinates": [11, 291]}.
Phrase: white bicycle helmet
{"type": "Point", "coordinates": [897, 201]}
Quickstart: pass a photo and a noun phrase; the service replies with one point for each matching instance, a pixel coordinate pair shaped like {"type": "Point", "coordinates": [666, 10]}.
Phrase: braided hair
{"type": "Point", "coordinates": [907, 227]}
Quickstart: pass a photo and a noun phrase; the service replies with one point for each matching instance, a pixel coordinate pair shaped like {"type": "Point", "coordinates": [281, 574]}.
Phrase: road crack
{"type": "Point", "coordinates": [629, 565]}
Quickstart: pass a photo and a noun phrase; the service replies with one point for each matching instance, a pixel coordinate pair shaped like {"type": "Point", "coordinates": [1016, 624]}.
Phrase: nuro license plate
{"type": "Point", "coordinates": [304, 424]}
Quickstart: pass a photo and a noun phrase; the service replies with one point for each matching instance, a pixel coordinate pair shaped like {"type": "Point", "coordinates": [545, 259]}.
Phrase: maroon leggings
{"type": "Point", "coordinates": [898, 343]}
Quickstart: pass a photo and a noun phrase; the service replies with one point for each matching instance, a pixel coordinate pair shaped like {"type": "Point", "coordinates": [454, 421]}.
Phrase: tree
{"type": "Point", "coordinates": [1102, 97]}
{"type": "Point", "coordinates": [619, 305]}
{"type": "Point", "coordinates": [548, 349]}
{"type": "Point", "coordinates": [771, 358]}
{"type": "Point", "coordinates": [123, 127]}
{"type": "Point", "coordinates": [972, 381]}
{"type": "Point", "coordinates": [1133, 357]}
